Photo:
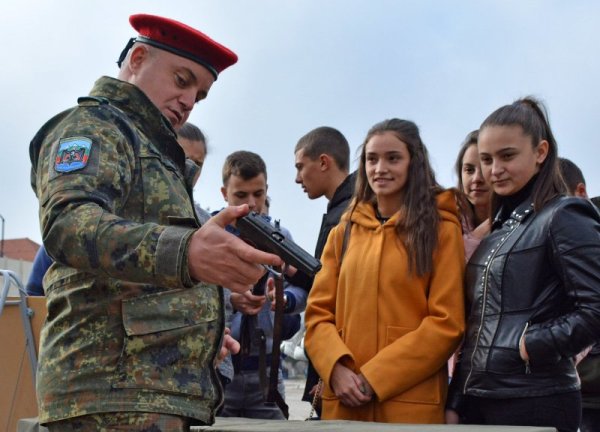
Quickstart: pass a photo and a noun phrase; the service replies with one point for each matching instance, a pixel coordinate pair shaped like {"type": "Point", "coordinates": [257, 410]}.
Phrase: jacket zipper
{"type": "Point", "coordinates": [485, 280]}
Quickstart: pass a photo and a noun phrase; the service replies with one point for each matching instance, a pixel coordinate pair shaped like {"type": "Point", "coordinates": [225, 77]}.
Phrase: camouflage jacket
{"type": "Point", "coordinates": [127, 328]}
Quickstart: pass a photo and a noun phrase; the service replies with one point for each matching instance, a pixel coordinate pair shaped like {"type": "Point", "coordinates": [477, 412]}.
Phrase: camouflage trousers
{"type": "Point", "coordinates": [122, 421]}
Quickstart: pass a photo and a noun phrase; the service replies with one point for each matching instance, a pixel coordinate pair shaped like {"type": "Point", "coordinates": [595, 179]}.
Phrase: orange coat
{"type": "Point", "coordinates": [397, 329]}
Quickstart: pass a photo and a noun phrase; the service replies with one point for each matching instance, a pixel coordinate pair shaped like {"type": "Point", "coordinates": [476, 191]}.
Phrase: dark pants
{"type": "Point", "coordinates": [590, 422]}
{"type": "Point", "coordinates": [312, 379]}
{"type": "Point", "coordinates": [244, 397]}
{"type": "Point", "coordinates": [562, 411]}
{"type": "Point", "coordinates": [122, 421]}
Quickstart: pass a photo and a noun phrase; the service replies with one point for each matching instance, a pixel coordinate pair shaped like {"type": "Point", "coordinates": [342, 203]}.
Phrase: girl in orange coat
{"type": "Point", "coordinates": [385, 314]}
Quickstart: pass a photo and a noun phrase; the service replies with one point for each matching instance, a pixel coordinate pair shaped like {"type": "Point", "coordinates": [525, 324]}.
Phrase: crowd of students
{"type": "Point", "coordinates": [495, 282]}
{"type": "Point", "coordinates": [396, 295]}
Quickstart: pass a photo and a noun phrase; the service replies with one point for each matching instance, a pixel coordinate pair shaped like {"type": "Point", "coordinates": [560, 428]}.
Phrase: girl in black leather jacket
{"type": "Point", "coordinates": [532, 285]}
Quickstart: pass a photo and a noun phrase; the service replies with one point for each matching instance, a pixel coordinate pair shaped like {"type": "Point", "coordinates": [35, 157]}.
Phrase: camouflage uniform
{"type": "Point", "coordinates": [127, 328]}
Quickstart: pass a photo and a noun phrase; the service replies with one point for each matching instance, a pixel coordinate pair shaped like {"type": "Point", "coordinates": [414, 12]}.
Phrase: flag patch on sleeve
{"type": "Point", "coordinates": [73, 154]}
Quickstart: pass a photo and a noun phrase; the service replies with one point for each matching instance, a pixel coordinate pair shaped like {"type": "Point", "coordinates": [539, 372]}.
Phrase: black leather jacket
{"type": "Point", "coordinates": [536, 274]}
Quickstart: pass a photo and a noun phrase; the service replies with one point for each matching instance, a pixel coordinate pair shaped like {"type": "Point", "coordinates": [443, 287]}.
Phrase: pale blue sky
{"type": "Point", "coordinates": [306, 63]}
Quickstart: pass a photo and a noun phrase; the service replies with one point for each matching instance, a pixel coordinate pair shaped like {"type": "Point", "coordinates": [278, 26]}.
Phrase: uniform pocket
{"type": "Point", "coordinates": [164, 190]}
{"type": "Point", "coordinates": [170, 340]}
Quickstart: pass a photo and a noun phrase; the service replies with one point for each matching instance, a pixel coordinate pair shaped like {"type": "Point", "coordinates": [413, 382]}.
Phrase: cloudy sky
{"type": "Point", "coordinates": [306, 63]}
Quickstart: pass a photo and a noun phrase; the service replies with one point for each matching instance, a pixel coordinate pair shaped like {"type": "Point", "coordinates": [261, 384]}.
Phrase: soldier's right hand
{"type": "Point", "coordinates": [217, 256]}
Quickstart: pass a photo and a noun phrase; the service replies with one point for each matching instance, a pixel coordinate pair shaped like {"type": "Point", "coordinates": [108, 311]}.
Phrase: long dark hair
{"type": "Point", "coordinates": [417, 227]}
{"type": "Point", "coordinates": [531, 115]}
{"type": "Point", "coordinates": [464, 205]}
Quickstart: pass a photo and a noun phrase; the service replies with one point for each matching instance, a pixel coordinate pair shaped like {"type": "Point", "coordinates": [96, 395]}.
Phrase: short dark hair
{"type": "Point", "coordinates": [193, 133]}
{"type": "Point", "coordinates": [326, 140]}
{"type": "Point", "coordinates": [571, 174]}
{"type": "Point", "coordinates": [244, 164]}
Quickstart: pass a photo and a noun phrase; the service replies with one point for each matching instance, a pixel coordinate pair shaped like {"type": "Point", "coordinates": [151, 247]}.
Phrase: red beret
{"type": "Point", "coordinates": [182, 40]}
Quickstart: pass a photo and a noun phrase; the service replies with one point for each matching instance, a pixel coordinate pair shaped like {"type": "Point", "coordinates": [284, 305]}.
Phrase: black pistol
{"type": "Point", "coordinates": [259, 233]}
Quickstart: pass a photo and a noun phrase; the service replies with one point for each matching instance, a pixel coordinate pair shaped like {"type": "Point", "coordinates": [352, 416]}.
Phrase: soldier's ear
{"type": "Point", "coordinates": [139, 54]}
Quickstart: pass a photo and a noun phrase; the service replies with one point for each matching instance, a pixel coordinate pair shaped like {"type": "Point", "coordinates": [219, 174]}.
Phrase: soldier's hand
{"type": "Point", "coordinates": [217, 256]}
{"type": "Point", "coordinates": [247, 303]}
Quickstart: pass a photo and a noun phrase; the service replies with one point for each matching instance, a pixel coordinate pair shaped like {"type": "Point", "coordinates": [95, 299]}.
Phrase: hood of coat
{"type": "Point", "coordinates": [448, 207]}
{"type": "Point", "coordinates": [364, 213]}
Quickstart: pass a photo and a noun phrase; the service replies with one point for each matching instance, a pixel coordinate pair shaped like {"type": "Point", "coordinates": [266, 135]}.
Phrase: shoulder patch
{"type": "Point", "coordinates": [73, 154]}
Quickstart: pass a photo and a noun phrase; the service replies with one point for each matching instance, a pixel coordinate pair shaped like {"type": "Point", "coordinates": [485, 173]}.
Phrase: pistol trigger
{"type": "Point", "coordinates": [272, 271]}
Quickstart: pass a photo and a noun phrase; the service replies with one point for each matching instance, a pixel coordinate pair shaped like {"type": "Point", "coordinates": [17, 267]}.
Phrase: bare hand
{"type": "Point", "coordinates": [347, 386]}
{"type": "Point", "coordinates": [314, 389]}
{"type": "Point", "coordinates": [523, 349]}
{"type": "Point", "coordinates": [290, 270]}
{"type": "Point", "coordinates": [271, 294]}
{"type": "Point", "coordinates": [217, 256]}
{"type": "Point", "coordinates": [452, 417]}
{"type": "Point", "coordinates": [230, 345]}
{"type": "Point", "coordinates": [583, 354]}
{"type": "Point", "coordinates": [247, 303]}
{"type": "Point", "coordinates": [365, 387]}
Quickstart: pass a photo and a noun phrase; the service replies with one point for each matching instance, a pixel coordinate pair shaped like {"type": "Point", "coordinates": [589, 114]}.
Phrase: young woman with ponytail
{"type": "Point", "coordinates": [532, 285]}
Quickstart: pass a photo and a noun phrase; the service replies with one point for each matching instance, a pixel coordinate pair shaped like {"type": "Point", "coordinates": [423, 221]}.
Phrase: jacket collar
{"type": "Point", "coordinates": [521, 212]}
{"type": "Point", "coordinates": [343, 192]}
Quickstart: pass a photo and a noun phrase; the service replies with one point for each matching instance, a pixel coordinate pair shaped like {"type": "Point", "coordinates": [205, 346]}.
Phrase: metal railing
{"type": "Point", "coordinates": [10, 278]}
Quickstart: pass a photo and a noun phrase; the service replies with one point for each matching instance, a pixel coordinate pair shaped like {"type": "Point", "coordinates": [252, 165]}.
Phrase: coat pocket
{"type": "Point", "coordinates": [170, 341]}
{"type": "Point", "coordinates": [504, 356]}
{"type": "Point", "coordinates": [428, 391]}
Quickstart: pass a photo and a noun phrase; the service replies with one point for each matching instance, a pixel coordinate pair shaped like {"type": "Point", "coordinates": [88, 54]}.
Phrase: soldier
{"type": "Point", "coordinates": [135, 317]}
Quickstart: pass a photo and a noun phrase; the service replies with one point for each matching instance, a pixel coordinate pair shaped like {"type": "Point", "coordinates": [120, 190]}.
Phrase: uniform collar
{"type": "Point", "coordinates": [140, 109]}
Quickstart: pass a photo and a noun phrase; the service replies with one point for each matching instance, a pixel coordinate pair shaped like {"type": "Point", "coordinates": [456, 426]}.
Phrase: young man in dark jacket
{"type": "Point", "coordinates": [589, 367]}
{"type": "Point", "coordinates": [322, 164]}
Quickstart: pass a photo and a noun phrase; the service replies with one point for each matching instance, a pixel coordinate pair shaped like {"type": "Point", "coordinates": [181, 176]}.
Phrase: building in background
{"type": "Point", "coordinates": [18, 257]}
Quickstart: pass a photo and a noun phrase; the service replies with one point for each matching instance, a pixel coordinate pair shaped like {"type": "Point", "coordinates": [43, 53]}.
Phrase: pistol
{"type": "Point", "coordinates": [260, 234]}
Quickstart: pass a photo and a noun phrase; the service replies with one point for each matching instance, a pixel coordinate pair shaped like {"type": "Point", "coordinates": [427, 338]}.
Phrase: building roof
{"type": "Point", "coordinates": [20, 249]}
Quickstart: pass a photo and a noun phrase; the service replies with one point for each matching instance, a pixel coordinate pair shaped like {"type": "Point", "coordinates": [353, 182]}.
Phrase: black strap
{"type": "Point", "coordinates": [261, 341]}
{"type": "Point", "coordinates": [273, 396]}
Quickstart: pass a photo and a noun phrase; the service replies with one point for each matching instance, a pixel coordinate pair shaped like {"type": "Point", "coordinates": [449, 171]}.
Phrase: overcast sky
{"type": "Point", "coordinates": [306, 63]}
